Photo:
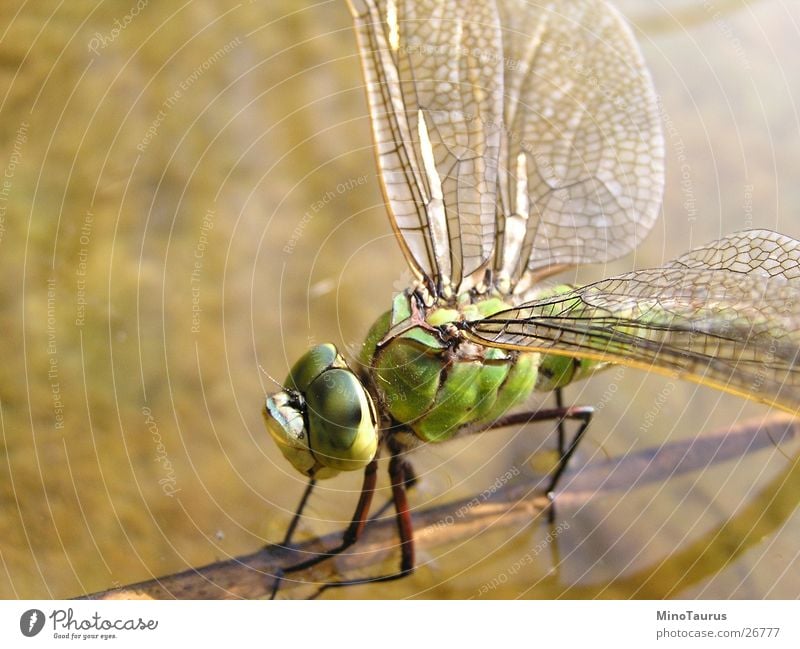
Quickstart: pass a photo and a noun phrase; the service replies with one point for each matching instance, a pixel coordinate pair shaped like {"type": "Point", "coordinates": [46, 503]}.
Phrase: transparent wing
{"type": "Point", "coordinates": [434, 77]}
{"type": "Point", "coordinates": [726, 315]}
{"type": "Point", "coordinates": [582, 155]}
{"type": "Point", "coordinates": [509, 134]}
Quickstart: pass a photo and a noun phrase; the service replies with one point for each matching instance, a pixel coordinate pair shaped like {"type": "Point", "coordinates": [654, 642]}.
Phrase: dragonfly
{"type": "Point", "coordinates": [514, 140]}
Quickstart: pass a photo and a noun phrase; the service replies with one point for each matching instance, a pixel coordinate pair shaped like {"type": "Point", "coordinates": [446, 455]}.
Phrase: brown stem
{"type": "Point", "coordinates": [516, 504]}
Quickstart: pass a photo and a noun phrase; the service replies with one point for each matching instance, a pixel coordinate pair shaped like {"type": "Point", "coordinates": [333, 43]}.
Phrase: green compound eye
{"type": "Point", "coordinates": [311, 364]}
{"type": "Point", "coordinates": [325, 421]}
{"type": "Point", "coordinates": [341, 421]}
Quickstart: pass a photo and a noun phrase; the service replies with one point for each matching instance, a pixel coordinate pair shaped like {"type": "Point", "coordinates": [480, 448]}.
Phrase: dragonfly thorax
{"type": "Point", "coordinates": [428, 379]}
{"type": "Point", "coordinates": [324, 420]}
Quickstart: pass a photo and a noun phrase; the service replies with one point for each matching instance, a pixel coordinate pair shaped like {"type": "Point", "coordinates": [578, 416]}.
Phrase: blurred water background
{"type": "Point", "coordinates": [190, 192]}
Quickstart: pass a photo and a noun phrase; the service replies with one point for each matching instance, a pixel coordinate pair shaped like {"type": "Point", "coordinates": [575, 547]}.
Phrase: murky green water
{"type": "Point", "coordinates": [190, 193]}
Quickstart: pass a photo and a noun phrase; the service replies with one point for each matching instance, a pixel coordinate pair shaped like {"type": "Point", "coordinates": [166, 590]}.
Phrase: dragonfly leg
{"type": "Point", "coordinates": [562, 413]}
{"type": "Point", "coordinates": [530, 417]}
{"type": "Point", "coordinates": [562, 434]}
{"type": "Point", "coordinates": [398, 472]}
{"type": "Point", "coordinates": [351, 534]}
{"type": "Point", "coordinates": [287, 539]}
{"type": "Point", "coordinates": [411, 480]}
{"type": "Point", "coordinates": [562, 442]}
{"type": "Point", "coordinates": [584, 415]}
{"type": "Point", "coordinates": [299, 511]}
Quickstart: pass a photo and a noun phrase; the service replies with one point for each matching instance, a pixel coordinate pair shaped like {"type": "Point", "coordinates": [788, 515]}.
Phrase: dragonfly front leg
{"type": "Point", "coordinates": [287, 539]}
{"type": "Point", "coordinates": [398, 472]}
{"type": "Point", "coordinates": [351, 534]}
{"type": "Point", "coordinates": [298, 513]}
{"type": "Point", "coordinates": [410, 482]}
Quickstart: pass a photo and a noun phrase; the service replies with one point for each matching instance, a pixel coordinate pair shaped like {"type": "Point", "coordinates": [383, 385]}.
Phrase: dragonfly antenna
{"type": "Point", "coordinates": [269, 376]}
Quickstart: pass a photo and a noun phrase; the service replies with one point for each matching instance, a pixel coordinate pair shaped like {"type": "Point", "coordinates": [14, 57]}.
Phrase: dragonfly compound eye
{"type": "Point", "coordinates": [324, 422]}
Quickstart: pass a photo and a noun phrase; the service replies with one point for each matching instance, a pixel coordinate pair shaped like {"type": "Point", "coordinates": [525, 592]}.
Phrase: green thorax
{"type": "Point", "coordinates": [437, 387]}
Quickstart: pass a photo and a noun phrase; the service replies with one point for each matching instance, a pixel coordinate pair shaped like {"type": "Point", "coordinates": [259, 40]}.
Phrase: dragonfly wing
{"type": "Point", "coordinates": [582, 158]}
{"type": "Point", "coordinates": [726, 314]}
{"type": "Point", "coordinates": [434, 78]}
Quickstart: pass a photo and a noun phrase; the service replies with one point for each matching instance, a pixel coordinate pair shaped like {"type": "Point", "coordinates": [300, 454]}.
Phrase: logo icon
{"type": "Point", "coordinates": [31, 622]}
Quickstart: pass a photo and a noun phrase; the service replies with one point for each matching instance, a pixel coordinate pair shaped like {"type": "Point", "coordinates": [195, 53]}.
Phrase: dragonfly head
{"type": "Point", "coordinates": [324, 420]}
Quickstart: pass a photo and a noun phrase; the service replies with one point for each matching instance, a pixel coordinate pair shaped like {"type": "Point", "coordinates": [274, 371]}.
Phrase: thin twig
{"type": "Point", "coordinates": [251, 576]}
